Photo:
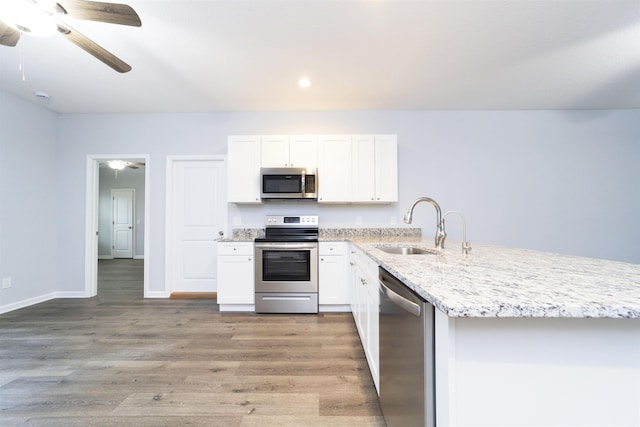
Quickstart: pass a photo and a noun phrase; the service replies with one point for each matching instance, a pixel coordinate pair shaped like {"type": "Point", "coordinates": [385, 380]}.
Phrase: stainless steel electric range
{"type": "Point", "coordinates": [287, 265]}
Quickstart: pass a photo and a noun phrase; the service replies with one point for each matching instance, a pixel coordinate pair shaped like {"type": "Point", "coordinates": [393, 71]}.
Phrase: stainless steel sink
{"type": "Point", "coordinates": [406, 250]}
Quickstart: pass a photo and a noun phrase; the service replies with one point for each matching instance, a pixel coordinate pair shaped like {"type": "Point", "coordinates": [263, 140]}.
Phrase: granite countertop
{"type": "Point", "coordinates": [494, 281]}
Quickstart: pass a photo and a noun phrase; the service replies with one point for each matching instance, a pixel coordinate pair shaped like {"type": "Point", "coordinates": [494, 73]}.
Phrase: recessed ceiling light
{"type": "Point", "coordinates": [304, 82]}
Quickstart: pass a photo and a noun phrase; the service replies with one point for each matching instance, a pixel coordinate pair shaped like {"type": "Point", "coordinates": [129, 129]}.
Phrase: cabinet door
{"type": "Point", "coordinates": [334, 169]}
{"type": "Point", "coordinates": [363, 168]}
{"type": "Point", "coordinates": [303, 151]}
{"type": "Point", "coordinates": [243, 169]}
{"type": "Point", "coordinates": [332, 273]}
{"type": "Point", "coordinates": [236, 279]}
{"type": "Point", "coordinates": [372, 348]}
{"type": "Point", "coordinates": [275, 151]}
{"type": "Point", "coordinates": [386, 168]}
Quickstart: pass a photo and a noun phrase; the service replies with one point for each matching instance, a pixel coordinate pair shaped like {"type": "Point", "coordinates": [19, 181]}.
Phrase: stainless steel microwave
{"type": "Point", "coordinates": [288, 183]}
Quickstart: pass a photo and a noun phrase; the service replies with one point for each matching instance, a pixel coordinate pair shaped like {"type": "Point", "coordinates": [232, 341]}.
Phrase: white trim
{"type": "Point", "coordinates": [168, 212]}
{"type": "Point", "coordinates": [27, 302]}
{"type": "Point", "coordinates": [334, 308]}
{"type": "Point", "coordinates": [156, 294]}
{"type": "Point", "coordinates": [138, 257]}
{"type": "Point", "coordinates": [237, 307]}
{"type": "Point", "coordinates": [91, 219]}
{"type": "Point", "coordinates": [39, 299]}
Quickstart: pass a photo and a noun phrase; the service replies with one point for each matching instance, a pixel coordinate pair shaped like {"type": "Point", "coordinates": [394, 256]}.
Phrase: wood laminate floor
{"type": "Point", "coordinates": [118, 359]}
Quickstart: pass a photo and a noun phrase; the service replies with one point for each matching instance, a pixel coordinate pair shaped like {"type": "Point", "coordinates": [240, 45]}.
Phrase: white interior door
{"type": "Point", "coordinates": [123, 214]}
{"type": "Point", "coordinates": [199, 216]}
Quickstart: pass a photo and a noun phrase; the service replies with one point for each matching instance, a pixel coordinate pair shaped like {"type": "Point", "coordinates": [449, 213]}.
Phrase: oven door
{"type": "Point", "coordinates": [286, 267]}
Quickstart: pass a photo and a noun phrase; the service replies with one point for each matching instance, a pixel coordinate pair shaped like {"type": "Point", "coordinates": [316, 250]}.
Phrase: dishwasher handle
{"type": "Point", "coordinates": [408, 306]}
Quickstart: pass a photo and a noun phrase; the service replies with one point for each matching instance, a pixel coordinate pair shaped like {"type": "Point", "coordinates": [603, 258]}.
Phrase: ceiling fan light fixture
{"type": "Point", "coordinates": [117, 164]}
{"type": "Point", "coordinates": [27, 17]}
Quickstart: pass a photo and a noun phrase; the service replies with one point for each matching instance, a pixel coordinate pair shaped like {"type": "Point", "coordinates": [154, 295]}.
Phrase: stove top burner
{"type": "Point", "coordinates": [281, 228]}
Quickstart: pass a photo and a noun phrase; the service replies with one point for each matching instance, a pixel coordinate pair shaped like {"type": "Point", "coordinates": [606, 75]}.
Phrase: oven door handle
{"type": "Point", "coordinates": [285, 246]}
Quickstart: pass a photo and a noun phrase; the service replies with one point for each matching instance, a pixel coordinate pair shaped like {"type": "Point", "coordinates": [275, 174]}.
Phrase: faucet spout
{"type": "Point", "coordinates": [466, 246]}
{"type": "Point", "coordinates": [440, 233]}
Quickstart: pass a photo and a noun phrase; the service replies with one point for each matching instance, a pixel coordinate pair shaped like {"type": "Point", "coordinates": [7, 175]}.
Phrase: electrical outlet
{"type": "Point", "coordinates": [358, 220]}
{"type": "Point", "coordinates": [393, 220]}
{"type": "Point", "coordinates": [237, 220]}
{"type": "Point", "coordinates": [6, 283]}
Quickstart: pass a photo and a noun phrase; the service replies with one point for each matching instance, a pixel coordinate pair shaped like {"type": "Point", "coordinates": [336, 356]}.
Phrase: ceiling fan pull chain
{"type": "Point", "coordinates": [21, 64]}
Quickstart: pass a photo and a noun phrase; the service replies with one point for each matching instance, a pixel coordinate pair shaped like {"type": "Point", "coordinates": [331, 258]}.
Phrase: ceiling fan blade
{"type": "Point", "coordinates": [94, 49]}
{"type": "Point", "coordinates": [112, 13]}
{"type": "Point", "coordinates": [9, 36]}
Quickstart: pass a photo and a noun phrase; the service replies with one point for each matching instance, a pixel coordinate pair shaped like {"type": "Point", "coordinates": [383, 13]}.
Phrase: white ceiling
{"type": "Point", "coordinates": [247, 55]}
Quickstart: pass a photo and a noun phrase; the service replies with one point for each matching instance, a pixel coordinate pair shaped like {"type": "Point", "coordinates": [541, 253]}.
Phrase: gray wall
{"type": "Point", "coordinates": [562, 181]}
{"type": "Point", "coordinates": [29, 202]}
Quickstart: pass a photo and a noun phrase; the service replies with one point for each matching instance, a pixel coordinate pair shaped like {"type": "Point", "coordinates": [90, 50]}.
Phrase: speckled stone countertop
{"type": "Point", "coordinates": [495, 281]}
{"type": "Point", "coordinates": [387, 234]}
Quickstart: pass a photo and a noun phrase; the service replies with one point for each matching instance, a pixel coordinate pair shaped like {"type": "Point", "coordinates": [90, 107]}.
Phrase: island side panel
{"type": "Point", "coordinates": [537, 371]}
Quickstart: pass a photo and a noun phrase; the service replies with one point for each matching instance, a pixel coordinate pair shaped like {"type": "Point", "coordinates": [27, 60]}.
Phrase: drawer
{"type": "Point", "coordinates": [235, 248]}
{"type": "Point", "coordinates": [333, 248]}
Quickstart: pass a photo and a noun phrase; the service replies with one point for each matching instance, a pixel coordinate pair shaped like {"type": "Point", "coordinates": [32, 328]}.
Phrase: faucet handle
{"type": "Point", "coordinates": [466, 247]}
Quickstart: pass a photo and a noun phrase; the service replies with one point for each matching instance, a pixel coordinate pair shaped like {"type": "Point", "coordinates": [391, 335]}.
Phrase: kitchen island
{"type": "Point", "coordinates": [528, 338]}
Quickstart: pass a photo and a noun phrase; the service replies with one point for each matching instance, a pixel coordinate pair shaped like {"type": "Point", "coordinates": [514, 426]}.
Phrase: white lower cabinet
{"type": "Point", "coordinates": [365, 307]}
{"type": "Point", "coordinates": [236, 276]}
{"type": "Point", "coordinates": [333, 277]}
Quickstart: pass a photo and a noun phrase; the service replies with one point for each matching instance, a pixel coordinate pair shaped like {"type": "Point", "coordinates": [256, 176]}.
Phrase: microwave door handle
{"type": "Point", "coordinates": [304, 186]}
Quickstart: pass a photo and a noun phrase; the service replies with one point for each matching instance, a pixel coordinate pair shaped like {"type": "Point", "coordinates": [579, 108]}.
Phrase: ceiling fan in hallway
{"type": "Point", "coordinates": [46, 17]}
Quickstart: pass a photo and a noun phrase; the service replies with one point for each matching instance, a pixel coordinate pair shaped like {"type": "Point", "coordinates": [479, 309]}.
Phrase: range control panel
{"type": "Point", "coordinates": [292, 221]}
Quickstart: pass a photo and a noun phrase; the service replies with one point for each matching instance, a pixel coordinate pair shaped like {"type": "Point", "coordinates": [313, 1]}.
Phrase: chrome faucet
{"type": "Point", "coordinates": [466, 246]}
{"type": "Point", "coordinates": [440, 233]}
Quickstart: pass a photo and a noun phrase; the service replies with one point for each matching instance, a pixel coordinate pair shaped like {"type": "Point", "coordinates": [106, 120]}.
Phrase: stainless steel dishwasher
{"type": "Point", "coordinates": [407, 384]}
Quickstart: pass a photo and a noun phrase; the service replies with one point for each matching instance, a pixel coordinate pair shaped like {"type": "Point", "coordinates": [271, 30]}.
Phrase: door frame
{"type": "Point", "coordinates": [133, 220]}
{"type": "Point", "coordinates": [169, 216]}
{"type": "Point", "coordinates": [91, 218]}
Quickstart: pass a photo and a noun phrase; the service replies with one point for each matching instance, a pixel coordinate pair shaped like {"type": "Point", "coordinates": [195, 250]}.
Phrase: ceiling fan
{"type": "Point", "coordinates": [45, 17]}
{"type": "Point", "coordinates": [121, 164]}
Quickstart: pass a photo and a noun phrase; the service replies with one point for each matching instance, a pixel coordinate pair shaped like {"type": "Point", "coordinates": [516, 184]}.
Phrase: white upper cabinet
{"type": "Point", "coordinates": [280, 151]}
{"type": "Point", "coordinates": [275, 151]}
{"type": "Point", "coordinates": [374, 169]}
{"type": "Point", "coordinates": [334, 169]}
{"type": "Point", "coordinates": [363, 168]}
{"type": "Point", "coordinates": [243, 169]}
{"type": "Point", "coordinates": [386, 167]}
{"type": "Point", "coordinates": [350, 168]}
{"type": "Point", "coordinates": [303, 151]}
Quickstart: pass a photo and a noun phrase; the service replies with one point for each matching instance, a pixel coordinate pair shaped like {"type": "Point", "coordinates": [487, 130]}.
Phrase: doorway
{"type": "Point", "coordinates": [100, 239]}
{"type": "Point", "coordinates": [196, 218]}
{"type": "Point", "coordinates": [123, 213]}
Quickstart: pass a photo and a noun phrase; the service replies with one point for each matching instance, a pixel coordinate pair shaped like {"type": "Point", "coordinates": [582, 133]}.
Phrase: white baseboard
{"type": "Point", "coordinates": [27, 302]}
{"type": "Point", "coordinates": [238, 307]}
{"type": "Point", "coordinates": [334, 308]}
{"type": "Point", "coordinates": [156, 294]}
{"type": "Point", "coordinates": [138, 257]}
{"type": "Point", "coordinates": [73, 294]}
